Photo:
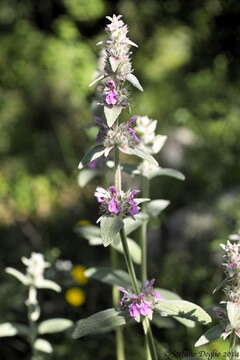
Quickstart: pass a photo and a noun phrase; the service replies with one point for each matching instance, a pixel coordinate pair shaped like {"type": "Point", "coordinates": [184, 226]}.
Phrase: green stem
{"type": "Point", "coordinates": [120, 353]}
{"type": "Point", "coordinates": [117, 171]}
{"type": "Point", "coordinates": [232, 347]}
{"type": "Point", "coordinates": [129, 262]}
{"type": "Point", "coordinates": [132, 274]}
{"type": "Point", "coordinates": [32, 325]}
{"type": "Point", "coordinates": [143, 232]}
{"type": "Point", "coordinates": [146, 324]}
{"type": "Point", "coordinates": [143, 245]}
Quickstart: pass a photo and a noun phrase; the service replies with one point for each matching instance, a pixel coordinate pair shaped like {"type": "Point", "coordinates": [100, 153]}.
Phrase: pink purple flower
{"type": "Point", "coordinates": [111, 93]}
{"type": "Point", "coordinates": [114, 203]}
{"type": "Point", "coordinates": [142, 304]}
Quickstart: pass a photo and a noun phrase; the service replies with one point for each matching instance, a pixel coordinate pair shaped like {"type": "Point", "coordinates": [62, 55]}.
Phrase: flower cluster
{"type": "Point", "coordinates": [114, 203]}
{"type": "Point", "coordinates": [230, 318]}
{"type": "Point", "coordinates": [118, 48]}
{"type": "Point", "coordinates": [115, 66]}
{"type": "Point", "coordinates": [123, 135]}
{"type": "Point", "coordinates": [142, 304]}
{"type": "Point", "coordinates": [232, 257]}
{"type": "Point", "coordinates": [36, 265]}
{"type": "Point", "coordinates": [145, 128]}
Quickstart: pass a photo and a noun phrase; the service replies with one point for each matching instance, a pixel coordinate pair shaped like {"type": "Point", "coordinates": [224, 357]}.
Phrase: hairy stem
{"type": "Point", "coordinates": [146, 324]}
{"type": "Point", "coordinates": [143, 244]}
{"type": "Point", "coordinates": [120, 353]}
{"type": "Point", "coordinates": [131, 271]}
{"type": "Point", "coordinates": [32, 324]}
{"type": "Point", "coordinates": [233, 348]}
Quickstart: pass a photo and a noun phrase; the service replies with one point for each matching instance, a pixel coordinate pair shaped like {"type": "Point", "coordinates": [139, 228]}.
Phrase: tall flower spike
{"type": "Point", "coordinates": [115, 69]}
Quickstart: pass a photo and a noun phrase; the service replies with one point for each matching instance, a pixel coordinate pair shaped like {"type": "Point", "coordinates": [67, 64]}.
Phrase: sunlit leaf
{"type": "Point", "coordinates": [110, 227]}
{"type": "Point", "coordinates": [85, 176]}
{"type": "Point", "coordinates": [155, 207]}
{"type": "Point", "coordinates": [212, 334]}
{"type": "Point", "coordinates": [54, 325]}
{"type": "Point", "coordinates": [12, 329]}
{"type": "Point", "coordinates": [18, 275]}
{"type": "Point", "coordinates": [184, 309]}
{"type": "Point", "coordinates": [48, 284]}
{"type": "Point", "coordinates": [43, 346]}
{"type": "Point", "coordinates": [134, 249]}
{"type": "Point", "coordinates": [91, 155]}
{"type": "Point", "coordinates": [140, 153]}
{"type": "Point", "coordinates": [112, 113]}
{"type": "Point", "coordinates": [93, 235]}
{"type": "Point", "coordinates": [134, 81]}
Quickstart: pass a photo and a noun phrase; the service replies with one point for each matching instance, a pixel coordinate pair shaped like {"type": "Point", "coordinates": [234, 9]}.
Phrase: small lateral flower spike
{"type": "Point", "coordinates": [140, 305]}
{"type": "Point", "coordinates": [114, 203]}
{"type": "Point", "coordinates": [228, 313]}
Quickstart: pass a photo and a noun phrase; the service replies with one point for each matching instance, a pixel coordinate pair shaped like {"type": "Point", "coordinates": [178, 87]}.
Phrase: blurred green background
{"type": "Point", "coordinates": [188, 64]}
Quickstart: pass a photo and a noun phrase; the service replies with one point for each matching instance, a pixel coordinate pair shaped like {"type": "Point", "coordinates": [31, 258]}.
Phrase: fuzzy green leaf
{"type": "Point", "coordinates": [159, 171]}
{"type": "Point", "coordinates": [18, 275]}
{"type": "Point", "coordinates": [100, 322]}
{"type": "Point", "coordinates": [54, 325]}
{"type": "Point", "coordinates": [43, 346]}
{"type": "Point", "coordinates": [12, 329]}
{"type": "Point", "coordinates": [110, 227]}
{"type": "Point", "coordinates": [140, 153]}
{"type": "Point", "coordinates": [111, 114]}
{"type": "Point", "coordinates": [85, 176]}
{"type": "Point", "coordinates": [212, 334]}
{"type": "Point", "coordinates": [134, 249]}
{"type": "Point", "coordinates": [134, 81]}
{"type": "Point", "coordinates": [162, 322]}
{"type": "Point", "coordinates": [114, 63]}
{"type": "Point", "coordinates": [91, 155]}
{"type": "Point", "coordinates": [169, 295]}
{"type": "Point", "coordinates": [109, 276]}
{"type": "Point", "coordinates": [48, 284]}
{"type": "Point", "coordinates": [93, 235]}
{"type": "Point", "coordinates": [155, 207]}
{"type": "Point", "coordinates": [183, 309]}
{"type": "Point", "coordinates": [131, 224]}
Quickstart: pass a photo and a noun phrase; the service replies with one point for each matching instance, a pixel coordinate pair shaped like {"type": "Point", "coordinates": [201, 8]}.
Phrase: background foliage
{"type": "Point", "coordinates": [188, 63]}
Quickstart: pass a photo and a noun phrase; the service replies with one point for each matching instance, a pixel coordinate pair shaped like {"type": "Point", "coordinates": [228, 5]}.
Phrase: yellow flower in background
{"type": "Point", "coordinates": [84, 222]}
{"type": "Point", "coordinates": [78, 274]}
{"type": "Point", "coordinates": [75, 296]}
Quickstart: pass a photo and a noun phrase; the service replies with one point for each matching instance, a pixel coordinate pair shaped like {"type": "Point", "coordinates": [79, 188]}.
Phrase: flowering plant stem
{"type": "Point", "coordinates": [33, 329]}
{"type": "Point", "coordinates": [131, 271]}
{"type": "Point", "coordinates": [143, 232]}
{"type": "Point", "coordinates": [114, 260]}
{"type": "Point", "coordinates": [233, 347]}
{"type": "Point", "coordinates": [120, 353]}
{"type": "Point", "coordinates": [143, 244]}
{"type": "Point", "coordinates": [146, 324]}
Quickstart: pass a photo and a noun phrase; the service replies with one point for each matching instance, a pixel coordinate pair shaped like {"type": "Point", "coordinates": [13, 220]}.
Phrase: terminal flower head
{"type": "Point", "coordinates": [231, 257]}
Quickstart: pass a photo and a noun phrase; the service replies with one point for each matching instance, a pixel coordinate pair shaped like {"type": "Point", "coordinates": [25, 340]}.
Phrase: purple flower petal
{"type": "Point", "coordinates": [113, 206]}
{"type": "Point", "coordinates": [112, 189]}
